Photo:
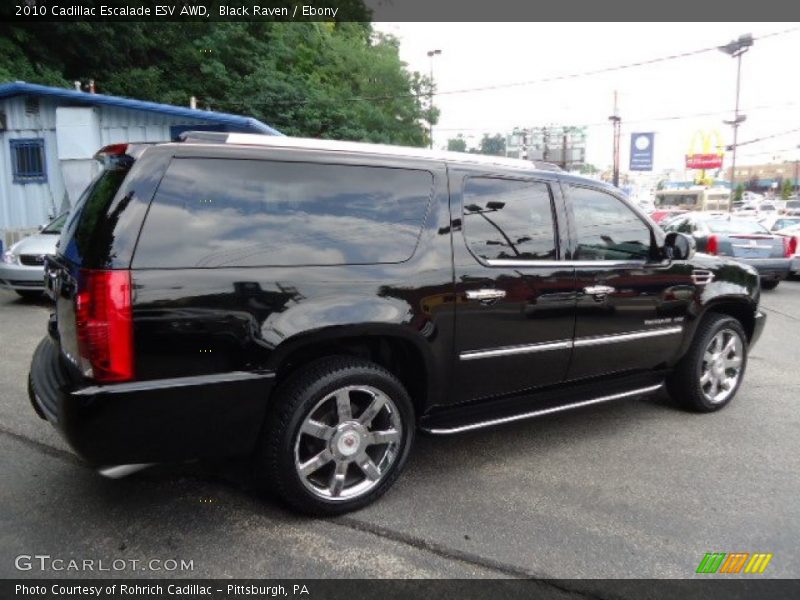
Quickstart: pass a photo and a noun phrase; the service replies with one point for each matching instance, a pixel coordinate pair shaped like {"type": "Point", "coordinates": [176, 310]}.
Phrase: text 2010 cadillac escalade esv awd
{"type": "Point", "coordinates": [315, 303]}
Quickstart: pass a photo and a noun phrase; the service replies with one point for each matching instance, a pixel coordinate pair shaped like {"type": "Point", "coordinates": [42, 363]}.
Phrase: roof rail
{"type": "Point", "coordinates": [204, 137]}
{"type": "Point", "coordinates": [255, 139]}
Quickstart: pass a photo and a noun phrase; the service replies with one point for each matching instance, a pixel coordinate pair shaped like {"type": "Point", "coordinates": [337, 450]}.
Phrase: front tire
{"type": "Point", "coordinates": [769, 285]}
{"type": "Point", "coordinates": [337, 436]}
{"type": "Point", "coordinates": [709, 375]}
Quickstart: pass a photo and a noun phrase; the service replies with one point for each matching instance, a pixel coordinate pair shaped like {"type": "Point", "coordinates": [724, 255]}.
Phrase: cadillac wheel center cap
{"type": "Point", "coordinates": [348, 443]}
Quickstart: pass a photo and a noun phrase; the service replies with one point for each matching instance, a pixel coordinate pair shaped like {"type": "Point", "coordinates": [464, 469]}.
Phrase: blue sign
{"type": "Point", "coordinates": [642, 151]}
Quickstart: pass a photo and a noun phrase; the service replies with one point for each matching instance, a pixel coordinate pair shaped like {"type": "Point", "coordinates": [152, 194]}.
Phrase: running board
{"type": "Point", "coordinates": [447, 430]}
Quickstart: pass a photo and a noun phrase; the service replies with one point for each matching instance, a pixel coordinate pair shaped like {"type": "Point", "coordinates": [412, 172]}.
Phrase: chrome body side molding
{"type": "Point", "coordinates": [546, 411]}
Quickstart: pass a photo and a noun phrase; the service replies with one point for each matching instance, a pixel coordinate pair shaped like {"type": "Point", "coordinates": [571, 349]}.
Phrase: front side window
{"type": "Point", "coordinates": [606, 228]}
{"type": "Point", "coordinates": [212, 212]}
{"type": "Point", "coordinates": [27, 160]}
{"type": "Point", "coordinates": [509, 219]}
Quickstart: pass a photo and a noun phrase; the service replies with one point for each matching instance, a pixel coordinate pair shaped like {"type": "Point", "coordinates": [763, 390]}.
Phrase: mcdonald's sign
{"type": "Point", "coordinates": [703, 153]}
{"type": "Point", "coordinates": [733, 563]}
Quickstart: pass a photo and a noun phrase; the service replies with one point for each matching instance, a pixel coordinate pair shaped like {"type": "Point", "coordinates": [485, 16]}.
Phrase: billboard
{"type": "Point", "coordinates": [706, 158]}
{"type": "Point", "coordinates": [642, 151]}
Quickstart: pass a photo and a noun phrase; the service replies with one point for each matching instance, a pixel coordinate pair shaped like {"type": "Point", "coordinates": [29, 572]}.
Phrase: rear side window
{"type": "Point", "coordinates": [242, 213]}
{"type": "Point", "coordinates": [509, 219]}
{"type": "Point", "coordinates": [89, 226]}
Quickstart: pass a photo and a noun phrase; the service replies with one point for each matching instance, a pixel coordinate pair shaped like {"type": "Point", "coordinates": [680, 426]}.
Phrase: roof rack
{"type": "Point", "coordinates": [254, 139]}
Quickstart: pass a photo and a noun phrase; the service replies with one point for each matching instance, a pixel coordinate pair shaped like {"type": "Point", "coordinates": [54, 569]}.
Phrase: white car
{"type": "Point", "coordinates": [777, 222]}
{"type": "Point", "coordinates": [22, 269]}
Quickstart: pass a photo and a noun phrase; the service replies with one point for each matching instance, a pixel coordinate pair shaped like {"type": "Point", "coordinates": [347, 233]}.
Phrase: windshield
{"type": "Point", "coordinates": [735, 226]}
{"type": "Point", "coordinates": [54, 227]}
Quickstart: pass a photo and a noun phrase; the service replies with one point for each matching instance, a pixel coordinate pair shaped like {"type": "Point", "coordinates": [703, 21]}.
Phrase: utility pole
{"type": "Point", "coordinates": [736, 49]}
{"type": "Point", "coordinates": [796, 180]}
{"type": "Point", "coordinates": [617, 122]}
{"type": "Point", "coordinates": [564, 149]}
{"type": "Point", "coordinates": [431, 54]}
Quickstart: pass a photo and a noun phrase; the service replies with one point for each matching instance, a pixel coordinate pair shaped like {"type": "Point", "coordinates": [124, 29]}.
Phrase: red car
{"type": "Point", "coordinates": [660, 215]}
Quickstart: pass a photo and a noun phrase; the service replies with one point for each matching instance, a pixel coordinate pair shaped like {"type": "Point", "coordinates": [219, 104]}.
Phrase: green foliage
{"type": "Point", "coordinates": [335, 80]}
{"type": "Point", "coordinates": [738, 193]}
{"type": "Point", "coordinates": [494, 145]}
{"type": "Point", "coordinates": [786, 189]}
{"type": "Point", "coordinates": [457, 144]}
{"type": "Point", "coordinates": [590, 169]}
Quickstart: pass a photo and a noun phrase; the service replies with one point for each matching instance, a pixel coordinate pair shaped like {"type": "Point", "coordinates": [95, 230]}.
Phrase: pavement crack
{"type": "Point", "coordinates": [780, 312]}
{"type": "Point", "coordinates": [44, 448]}
{"type": "Point", "coordinates": [435, 548]}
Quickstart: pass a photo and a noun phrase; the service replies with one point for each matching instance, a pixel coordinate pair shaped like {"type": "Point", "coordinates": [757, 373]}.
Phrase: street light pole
{"type": "Point", "coordinates": [735, 49]}
{"type": "Point", "coordinates": [431, 54]}
{"type": "Point", "coordinates": [616, 120]}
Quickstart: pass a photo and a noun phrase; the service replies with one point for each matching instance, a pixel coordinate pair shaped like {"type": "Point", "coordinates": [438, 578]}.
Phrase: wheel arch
{"type": "Point", "coordinates": [404, 353]}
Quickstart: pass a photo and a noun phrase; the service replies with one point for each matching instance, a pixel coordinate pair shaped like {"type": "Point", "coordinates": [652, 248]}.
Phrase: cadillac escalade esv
{"type": "Point", "coordinates": [313, 304]}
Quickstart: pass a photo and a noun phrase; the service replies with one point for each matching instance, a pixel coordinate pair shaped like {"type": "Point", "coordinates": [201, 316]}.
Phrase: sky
{"type": "Point", "coordinates": [485, 54]}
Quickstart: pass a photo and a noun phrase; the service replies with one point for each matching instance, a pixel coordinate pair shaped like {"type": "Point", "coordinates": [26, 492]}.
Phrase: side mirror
{"type": "Point", "coordinates": [679, 246]}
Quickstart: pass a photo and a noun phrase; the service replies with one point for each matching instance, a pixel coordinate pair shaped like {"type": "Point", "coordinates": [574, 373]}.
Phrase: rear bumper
{"type": "Point", "coordinates": [769, 269]}
{"type": "Point", "coordinates": [163, 420]}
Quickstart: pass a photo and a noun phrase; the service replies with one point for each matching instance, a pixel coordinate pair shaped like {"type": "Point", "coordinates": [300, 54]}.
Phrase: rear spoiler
{"type": "Point", "coordinates": [121, 155]}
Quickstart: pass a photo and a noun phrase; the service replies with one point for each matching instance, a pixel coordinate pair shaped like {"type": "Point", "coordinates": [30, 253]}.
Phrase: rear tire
{"type": "Point", "coordinates": [709, 375]}
{"type": "Point", "coordinates": [769, 285]}
{"type": "Point", "coordinates": [337, 436]}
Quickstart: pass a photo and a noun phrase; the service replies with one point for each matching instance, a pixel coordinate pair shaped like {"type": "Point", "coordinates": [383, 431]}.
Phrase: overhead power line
{"type": "Point", "coordinates": [515, 84]}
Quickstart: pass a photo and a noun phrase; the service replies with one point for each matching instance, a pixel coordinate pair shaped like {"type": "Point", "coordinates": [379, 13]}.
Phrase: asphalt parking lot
{"type": "Point", "coordinates": [629, 489]}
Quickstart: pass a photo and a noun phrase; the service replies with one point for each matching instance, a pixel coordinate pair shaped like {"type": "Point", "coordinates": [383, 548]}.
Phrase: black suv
{"type": "Point", "coordinates": [313, 304]}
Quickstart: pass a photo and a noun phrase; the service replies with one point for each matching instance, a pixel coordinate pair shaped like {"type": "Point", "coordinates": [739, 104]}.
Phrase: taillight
{"type": "Point", "coordinates": [712, 246]}
{"type": "Point", "coordinates": [789, 246]}
{"type": "Point", "coordinates": [104, 324]}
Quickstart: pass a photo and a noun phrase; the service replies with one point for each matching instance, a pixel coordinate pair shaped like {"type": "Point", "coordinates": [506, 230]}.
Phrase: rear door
{"type": "Point", "coordinates": [515, 314]}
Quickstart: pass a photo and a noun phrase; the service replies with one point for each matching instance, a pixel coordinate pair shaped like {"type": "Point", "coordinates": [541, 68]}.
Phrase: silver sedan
{"type": "Point", "coordinates": [22, 269]}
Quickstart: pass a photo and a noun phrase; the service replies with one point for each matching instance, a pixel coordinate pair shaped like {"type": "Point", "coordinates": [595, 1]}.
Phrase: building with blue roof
{"type": "Point", "coordinates": [49, 135]}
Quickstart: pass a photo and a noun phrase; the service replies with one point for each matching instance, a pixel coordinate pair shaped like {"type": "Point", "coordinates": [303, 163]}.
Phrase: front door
{"type": "Point", "coordinates": [631, 304]}
{"type": "Point", "coordinates": [515, 315]}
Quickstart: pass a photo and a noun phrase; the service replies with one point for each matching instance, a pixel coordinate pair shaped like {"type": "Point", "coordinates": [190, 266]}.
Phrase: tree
{"type": "Point", "coordinates": [786, 189]}
{"type": "Point", "coordinates": [588, 169]}
{"type": "Point", "coordinates": [457, 144]}
{"type": "Point", "coordinates": [494, 145]}
{"type": "Point", "coordinates": [337, 80]}
{"type": "Point", "coordinates": [738, 194]}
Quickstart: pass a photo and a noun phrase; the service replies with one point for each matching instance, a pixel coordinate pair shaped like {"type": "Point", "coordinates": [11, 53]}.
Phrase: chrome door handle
{"type": "Point", "coordinates": [599, 290]}
{"type": "Point", "coordinates": [485, 295]}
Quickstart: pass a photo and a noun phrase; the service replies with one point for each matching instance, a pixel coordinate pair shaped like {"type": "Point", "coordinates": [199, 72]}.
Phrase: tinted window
{"type": "Point", "coordinates": [89, 222]}
{"type": "Point", "coordinates": [217, 212]}
{"type": "Point", "coordinates": [607, 229]}
{"type": "Point", "coordinates": [509, 219]}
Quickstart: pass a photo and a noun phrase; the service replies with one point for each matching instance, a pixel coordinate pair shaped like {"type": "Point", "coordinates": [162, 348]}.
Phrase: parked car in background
{"type": "Point", "coordinates": [793, 231]}
{"type": "Point", "coordinates": [792, 208]}
{"type": "Point", "coordinates": [662, 216]}
{"type": "Point", "coordinates": [745, 240]}
{"type": "Point", "coordinates": [22, 269]}
{"type": "Point", "coordinates": [777, 222]}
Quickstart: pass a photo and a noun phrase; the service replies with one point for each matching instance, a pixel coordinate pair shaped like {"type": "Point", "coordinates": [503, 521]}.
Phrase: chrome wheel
{"type": "Point", "coordinates": [722, 366]}
{"type": "Point", "coordinates": [348, 442]}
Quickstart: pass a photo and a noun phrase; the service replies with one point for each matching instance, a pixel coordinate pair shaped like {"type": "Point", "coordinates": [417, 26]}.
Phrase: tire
{"type": "Point", "coordinates": [769, 285]}
{"type": "Point", "coordinates": [346, 469]}
{"type": "Point", "coordinates": [686, 384]}
{"type": "Point", "coordinates": [30, 294]}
